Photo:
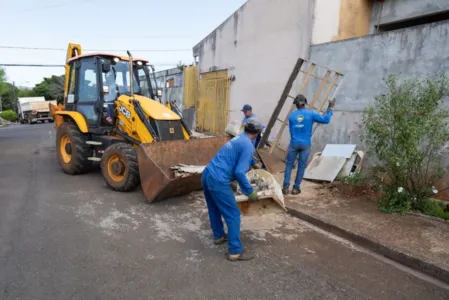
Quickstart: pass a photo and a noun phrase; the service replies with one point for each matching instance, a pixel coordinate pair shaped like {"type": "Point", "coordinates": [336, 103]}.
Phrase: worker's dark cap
{"type": "Point", "coordinates": [253, 126]}
{"type": "Point", "coordinates": [246, 107]}
{"type": "Point", "coordinates": [300, 100]}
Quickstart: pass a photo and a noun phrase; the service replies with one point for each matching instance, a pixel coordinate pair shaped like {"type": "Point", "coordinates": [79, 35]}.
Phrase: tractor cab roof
{"type": "Point", "coordinates": [106, 55]}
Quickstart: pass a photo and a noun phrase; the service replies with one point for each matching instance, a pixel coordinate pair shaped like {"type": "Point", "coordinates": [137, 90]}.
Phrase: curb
{"type": "Point", "coordinates": [395, 255]}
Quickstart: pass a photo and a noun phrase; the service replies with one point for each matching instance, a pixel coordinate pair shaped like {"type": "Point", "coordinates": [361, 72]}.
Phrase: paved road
{"type": "Point", "coordinates": [69, 237]}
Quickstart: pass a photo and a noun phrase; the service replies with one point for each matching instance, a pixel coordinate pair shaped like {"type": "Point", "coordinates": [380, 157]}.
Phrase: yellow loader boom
{"type": "Point", "coordinates": [109, 116]}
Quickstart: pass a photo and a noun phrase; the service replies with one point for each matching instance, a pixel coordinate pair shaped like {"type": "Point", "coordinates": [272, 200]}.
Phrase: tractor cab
{"type": "Point", "coordinates": [95, 82]}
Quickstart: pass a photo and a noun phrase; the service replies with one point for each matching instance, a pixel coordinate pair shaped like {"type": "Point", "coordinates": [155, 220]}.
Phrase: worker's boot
{"type": "Point", "coordinates": [296, 191]}
{"type": "Point", "coordinates": [222, 240]}
{"type": "Point", "coordinates": [242, 256]}
{"type": "Point", "coordinates": [285, 190]}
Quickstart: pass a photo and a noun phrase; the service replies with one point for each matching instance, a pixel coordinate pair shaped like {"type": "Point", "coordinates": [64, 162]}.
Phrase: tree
{"type": "Point", "coordinates": [8, 91]}
{"type": "Point", "coordinates": [51, 88]}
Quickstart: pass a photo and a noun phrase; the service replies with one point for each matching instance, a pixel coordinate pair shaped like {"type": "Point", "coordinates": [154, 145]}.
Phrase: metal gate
{"type": "Point", "coordinates": [212, 113]}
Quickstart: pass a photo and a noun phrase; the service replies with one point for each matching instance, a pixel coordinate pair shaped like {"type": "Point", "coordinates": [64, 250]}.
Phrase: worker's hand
{"type": "Point", "coordinates": [257, 166]}
{"type": "Point", "coordinates": [253, 196]}
{"type": "Point", "coordinates": [331, 104]}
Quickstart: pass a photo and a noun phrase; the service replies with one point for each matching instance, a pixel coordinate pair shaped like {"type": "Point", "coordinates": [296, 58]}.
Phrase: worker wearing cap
{"type": "Point", "coordinates": [231, 163]}
{"type": "Point", "coordinates": [248, 115]}
{"type": "Point", "coordinates": [300, 123]}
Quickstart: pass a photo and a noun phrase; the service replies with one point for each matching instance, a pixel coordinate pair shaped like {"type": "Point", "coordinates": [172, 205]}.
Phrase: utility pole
{"type": "Point", "coordinates": [14, 95]}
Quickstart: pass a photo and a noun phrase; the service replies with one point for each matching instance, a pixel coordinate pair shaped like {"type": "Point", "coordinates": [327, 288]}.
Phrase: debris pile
{"type": "Point", "coordinates": [336, 160]}
{"type": "Point", "coordinates": [182, 170]}
{"type": "Point", "coordinates": [265, 185]}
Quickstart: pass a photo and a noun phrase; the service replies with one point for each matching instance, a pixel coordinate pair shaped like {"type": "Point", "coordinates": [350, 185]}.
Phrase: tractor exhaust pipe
{"type": "Point", "coordinates": [131, 74]}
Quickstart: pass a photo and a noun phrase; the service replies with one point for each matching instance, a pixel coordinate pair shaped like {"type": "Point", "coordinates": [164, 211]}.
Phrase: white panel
{"type": "Point", "coordinates": [339, 150]}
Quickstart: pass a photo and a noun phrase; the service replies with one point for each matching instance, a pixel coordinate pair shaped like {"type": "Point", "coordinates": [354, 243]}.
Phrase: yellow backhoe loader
{"type": "Point", "coordinates": [110, 116]}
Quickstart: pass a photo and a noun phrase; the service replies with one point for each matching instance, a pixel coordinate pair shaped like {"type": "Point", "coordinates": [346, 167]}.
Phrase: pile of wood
{"type": "Point", "coordinates": [182, 170]}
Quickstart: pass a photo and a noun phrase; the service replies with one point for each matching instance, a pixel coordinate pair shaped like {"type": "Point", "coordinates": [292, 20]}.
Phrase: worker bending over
{"type": "Point", "coordinates": [300, 123]}
{"type": "Point", "coordinates": [248, 115]}
{"type": "Point", "coordinates": [231, 163]}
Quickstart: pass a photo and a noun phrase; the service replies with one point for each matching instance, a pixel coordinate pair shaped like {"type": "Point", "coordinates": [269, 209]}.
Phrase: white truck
{"type": "Point", "coordinates": [33, 109]}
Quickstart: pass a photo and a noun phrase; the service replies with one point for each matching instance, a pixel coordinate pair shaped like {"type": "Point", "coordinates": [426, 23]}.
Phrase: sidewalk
{"type": "Point", "coordinates": [415, 241]}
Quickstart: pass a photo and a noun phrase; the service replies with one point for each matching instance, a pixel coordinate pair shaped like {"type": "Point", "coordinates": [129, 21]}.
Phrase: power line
{"type": "Point", "coordinates": [106, 50]}
{"type": "Point", "coordinates": [57, 66]}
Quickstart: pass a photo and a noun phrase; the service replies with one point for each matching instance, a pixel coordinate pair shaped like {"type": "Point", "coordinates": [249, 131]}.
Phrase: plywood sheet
{"type": "Point", "coordinates": [324, 168]}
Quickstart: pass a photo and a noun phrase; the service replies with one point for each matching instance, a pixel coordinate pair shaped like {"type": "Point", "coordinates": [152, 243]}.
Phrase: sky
{"type": "Point", "coordinates": [104, 25]}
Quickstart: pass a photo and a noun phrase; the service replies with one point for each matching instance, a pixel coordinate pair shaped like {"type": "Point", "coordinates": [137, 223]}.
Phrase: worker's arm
{"type": "Point", "coordinates": [322, 119]}
{"type": "Point", "coordinates": [243, 165]}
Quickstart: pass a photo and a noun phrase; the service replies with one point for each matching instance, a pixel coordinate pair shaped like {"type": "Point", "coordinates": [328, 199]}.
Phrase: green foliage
{"type": "Point", "coordinates": [434, 208]}
{"type": "Point", "coordinates": [406, 128]}
{"type": "Point", "coordinates": [8, 115]}
{"type": "Point", "coordinates": [51, 88]}
{"type": "Point", "coordinates": [356, 180]}
{"type": "Point", "coordinates": [9, 95]}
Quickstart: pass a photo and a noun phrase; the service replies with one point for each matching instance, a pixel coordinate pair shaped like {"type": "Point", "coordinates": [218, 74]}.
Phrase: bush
{"type": "Point", "coordinates": [407, 128]}
{"type": "Point", "coordinates": [434, 208]}
{"type": "Point", "coordinates": [8, 115]}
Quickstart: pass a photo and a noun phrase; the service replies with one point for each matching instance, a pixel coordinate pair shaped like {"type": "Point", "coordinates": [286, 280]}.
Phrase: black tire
{"type": "Point", "coordinates": [126, 177]}
{"type": "Point", "coordinates": [79, 150]}
{"type": "Point", "coordinates": [50, 121]}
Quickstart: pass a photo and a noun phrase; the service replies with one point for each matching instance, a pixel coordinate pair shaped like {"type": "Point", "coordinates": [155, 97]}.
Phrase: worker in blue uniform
{"type": "Point", "coordinates": [300, 123]}
{"type": "Point", "coordinates": [249, 115]}
{"type": "Point", "coordinates": [232, 162]}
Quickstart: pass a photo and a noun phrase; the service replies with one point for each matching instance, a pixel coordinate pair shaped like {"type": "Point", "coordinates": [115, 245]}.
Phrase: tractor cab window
{"type": "Point", "coordinates": [88, 89]}
{"type": "Point", "coordinates": [120, 70]}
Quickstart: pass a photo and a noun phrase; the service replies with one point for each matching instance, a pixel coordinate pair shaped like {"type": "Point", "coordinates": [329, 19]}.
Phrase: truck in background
{"type": "Point", "coordinates": [34, 109]}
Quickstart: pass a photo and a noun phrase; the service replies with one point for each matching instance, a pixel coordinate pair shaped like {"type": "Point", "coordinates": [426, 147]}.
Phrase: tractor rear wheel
{"type": "Point", "coordinates": [72, 150]}
{"type": "Point", "coordinates": [120, 168]}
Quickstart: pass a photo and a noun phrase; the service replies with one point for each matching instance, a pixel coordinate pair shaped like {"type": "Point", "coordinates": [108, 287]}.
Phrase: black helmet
{"type": "Point", "coordinates": [300, 100]}
{"type": "Point", "coordinates": [253, 126]}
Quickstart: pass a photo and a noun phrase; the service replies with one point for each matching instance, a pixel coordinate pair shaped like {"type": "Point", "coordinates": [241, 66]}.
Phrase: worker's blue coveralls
{"type": "Point", "coordinates": [300, 123]}
{"type": "Point", "coordinates": [255, 118]}
{"type": "Point", "coordinates": [230, 163]}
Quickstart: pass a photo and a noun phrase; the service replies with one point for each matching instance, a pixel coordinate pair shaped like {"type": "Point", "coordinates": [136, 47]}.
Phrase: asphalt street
{"type": "Point", "coordinates": [70, 237]}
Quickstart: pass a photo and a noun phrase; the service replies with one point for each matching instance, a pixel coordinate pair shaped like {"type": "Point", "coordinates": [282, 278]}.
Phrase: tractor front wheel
{"type": "Point", "coordinates": [72, 150]}
{"type": "Point", "coordinates": [120, 168]}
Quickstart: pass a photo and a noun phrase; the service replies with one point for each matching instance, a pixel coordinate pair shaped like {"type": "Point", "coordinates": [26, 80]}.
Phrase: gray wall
{"type": "Point", "coordinates": [366, 61]}
{"type": "Point", "coordinates": [399, 10]}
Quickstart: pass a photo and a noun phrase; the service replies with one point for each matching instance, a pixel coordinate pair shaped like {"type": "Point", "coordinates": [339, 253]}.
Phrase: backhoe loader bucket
{"type": "Point", "coordinates": [156, 160]}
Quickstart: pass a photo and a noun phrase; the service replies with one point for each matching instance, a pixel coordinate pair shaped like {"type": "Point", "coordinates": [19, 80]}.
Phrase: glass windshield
{"type": "Point", "coordinates": [117, 82]}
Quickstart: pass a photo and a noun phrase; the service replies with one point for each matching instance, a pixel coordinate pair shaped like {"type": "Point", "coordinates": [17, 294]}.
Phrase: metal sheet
{"type": "Point", "coordinates": [344, 150]}
{"type": "Point", "coordinates": [324, 168]}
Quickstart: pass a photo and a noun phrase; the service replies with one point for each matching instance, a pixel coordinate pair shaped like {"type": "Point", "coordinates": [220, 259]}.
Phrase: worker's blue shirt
{"type": "Point", "coordinates": [300, 123]}
{"type": "Point", "coordinates": [232, 162]}
{"type": "Point", "coordinates": [255, 118]}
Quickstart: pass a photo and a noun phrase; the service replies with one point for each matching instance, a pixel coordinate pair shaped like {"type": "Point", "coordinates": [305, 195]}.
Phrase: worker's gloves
{"type": "Point", "coordinates": [253, 196]}
{"type": "Point", "coordinates": [257, 166]}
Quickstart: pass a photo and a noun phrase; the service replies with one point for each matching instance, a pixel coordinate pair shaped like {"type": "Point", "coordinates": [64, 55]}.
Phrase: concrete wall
{"type": "Point", "coordinates": [341, 19]}
{"type": "Point", "coordinates": [366, 61]}
{"type": "Point", "coordinates": [326, 21]}
{"type": "Point", "coordinates": [399, 10]}
{"type": "Point", "coordinates": [259, 44]}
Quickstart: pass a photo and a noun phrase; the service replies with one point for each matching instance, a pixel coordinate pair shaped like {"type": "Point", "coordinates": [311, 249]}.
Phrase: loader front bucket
{"type": "Point", "coordinates": [156, 160]}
